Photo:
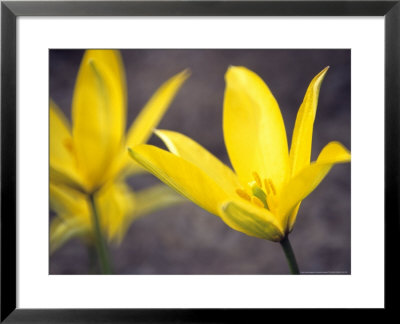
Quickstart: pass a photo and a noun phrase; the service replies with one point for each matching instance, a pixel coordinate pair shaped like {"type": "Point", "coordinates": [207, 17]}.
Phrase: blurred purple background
{"type": "Point", "coordinates": [187, 240]}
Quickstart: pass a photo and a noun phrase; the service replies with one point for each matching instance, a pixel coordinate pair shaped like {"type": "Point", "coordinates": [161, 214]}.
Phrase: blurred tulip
{"type": "Point", "coordinates": [89, 161]}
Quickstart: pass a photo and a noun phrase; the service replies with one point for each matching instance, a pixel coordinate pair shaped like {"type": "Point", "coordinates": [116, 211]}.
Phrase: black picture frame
{"type": "Point", "coordinates": [11, 10]}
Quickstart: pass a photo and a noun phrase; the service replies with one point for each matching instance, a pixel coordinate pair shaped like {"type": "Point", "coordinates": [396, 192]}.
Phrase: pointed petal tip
{"type": "Point", "coordinates": [134, 154]}
{"type": "Point", "coordinates": [346, 153]}
{"type": "Point", "coordinates": [334, 152]}
{"type": "Point", "coordinates": [321, 75]}
{"type": "Point", "coordinates": [161, 134]}
{"type": "Point", "coordinates": [131, 152]}
{"type": "Point", "coordinates": [234, 71]}
{"type": "Point", "coordinates": [184, 75]}
{"type": "Point", "coordinates": [187, 72]}
{"type": "Point", "coordinates": [135, 151]}
{"type": "Point", "coordinates": [337, 143]}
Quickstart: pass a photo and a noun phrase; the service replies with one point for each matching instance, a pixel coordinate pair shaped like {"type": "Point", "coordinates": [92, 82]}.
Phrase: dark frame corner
{"type": "Point", "coordinates": [10, 10]}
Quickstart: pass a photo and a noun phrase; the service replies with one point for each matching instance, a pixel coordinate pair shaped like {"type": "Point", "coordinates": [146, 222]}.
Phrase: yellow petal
{"type": "Point", "coordinates": [131, 168]}
{"type": "Point", "coordinates": [62, 159]}
{"type": "Point", "coordinates": [334, 152]}
{"type": "Point", "coordinates": [254, 131]}
{"type": "Point", "coordinates": [66, 179]}
{"type": "Point", "coordinates": [123, 166]}
{"type": "Point", "coordinates": [115, 205]}
{"type": "Point", "coordinates": [68, 202]}
{"type": "Point", "coordinates": [191, 151]}
{"type": "Point", "coordinates": [154, 198]}
{"type": "Point", "coordinates": [144, 124]}
{"type": "Point", "coordinates": [62, 230]}
{"type": "Point", "coordinates": [98, 113]}
{"type": "Point", "coordinates": [300, 151]}
{"type": "Point", "coordinates": [154, 110]}
{"type": "Point", "coordinates": [309, 178]}
{"type": "Point", "coordinates": [60, 138]}
{"type": "Point", "coordinates": [73, 216]}
{"type": "Point", "coordinates": [251, 220]}
{"type": "Point", "coordinates": [291, 218]}
{"type": "Point", "coordinates": [183, 176]}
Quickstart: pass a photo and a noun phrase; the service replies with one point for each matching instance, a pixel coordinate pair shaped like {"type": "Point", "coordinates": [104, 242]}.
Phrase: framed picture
{"type": "Point", "coordinates": [177, 145]}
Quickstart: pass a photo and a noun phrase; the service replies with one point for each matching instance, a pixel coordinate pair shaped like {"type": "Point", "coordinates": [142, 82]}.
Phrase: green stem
{"type": "Point", "coordinates": [92, 253]}
{"type": "Point", "coordinates": [290, 257]}
{"type": "Point", "coordinates": [101, 246]}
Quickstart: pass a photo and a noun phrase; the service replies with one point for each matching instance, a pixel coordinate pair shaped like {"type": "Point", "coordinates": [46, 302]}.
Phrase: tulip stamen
{"type": "Point", "coordinates": [272, 187]}
{"type": "Point", "coordinates": [258, 196]}
{"type": "Point", "coordinates": [243, 194]}
{"type": "Point", "coordinates": [257, 179]}
{"type": "Point", "coordinates": [257, 202]}
{"type": "Point", "coordinates": [266, 185]}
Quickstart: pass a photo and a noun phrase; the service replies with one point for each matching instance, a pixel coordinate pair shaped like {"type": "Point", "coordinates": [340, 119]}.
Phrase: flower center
{"type": "Point", "coordinates": [261, 193]}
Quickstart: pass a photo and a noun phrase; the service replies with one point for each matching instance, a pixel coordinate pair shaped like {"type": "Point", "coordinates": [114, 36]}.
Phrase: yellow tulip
{"type": "Point", "coordinates": [89, 159]}
{"type": "Point", "coordinates": [261, 197]}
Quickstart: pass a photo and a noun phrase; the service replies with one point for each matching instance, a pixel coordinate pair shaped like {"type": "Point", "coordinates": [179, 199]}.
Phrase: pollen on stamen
{"type": "Point", "coordinates": [272, 186]}
{"type": "Point", "coordinates": [257, 179]}
{"type": "Point", "coordinates": [257, 201]}
{"type": "Point", "coordinates": [243, 194]}
{"type": "Point", "coordinates": [266, 185]}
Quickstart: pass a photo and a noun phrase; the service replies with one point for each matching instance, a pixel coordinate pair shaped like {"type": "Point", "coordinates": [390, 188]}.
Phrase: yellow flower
{"type": "Point", "coordinates": [262, 197]}
{"type": "Point", "coordinates": [90, 158]}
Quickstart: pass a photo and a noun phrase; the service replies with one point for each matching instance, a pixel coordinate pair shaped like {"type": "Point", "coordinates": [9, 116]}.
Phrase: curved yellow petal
{"type": "Point", "coordinates": [334, 152]}
{"type": "Point", "coordinates": [73, 218]}
{"type": "Point", "coordinates": [62, 159]}
{"type": "Point", "coordinates": [251, 220]}
{"type": "Point", "coordinates": [154, 110]}
{"type": "Point", "coordinates": [300, 150]}
{"type": "Point", "coordinates": [60, 138]}
{"type": "Point", "coordinates": [115, 204]}
{"type": "Point", "coordinates": [123, 166]}
{"type": "Point", "coordinates": [292, 216]}
{"type": "Point", "coordinates": [66, 179]}
{"type": "Point", "coordinates": [98, 113]}
{"type": "Point", "coordinates": [62, 230]}
{"type": "Point", "coordinates": [254, 131]}
{"type": "Point", "coordinates": [183, 176]}
{"type": "Point", "coordinates": [69, 203]}
{"type": "Point", "coordinates": [191, 151]}
{"type": "Point", "coordinates": [309, 178]}
{"type": "Point", "coordinates": [154, 198]}
{"type": "Point", "coordinates": [149, 117]}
